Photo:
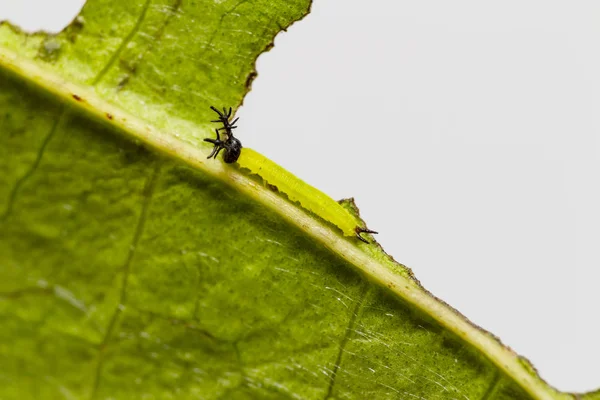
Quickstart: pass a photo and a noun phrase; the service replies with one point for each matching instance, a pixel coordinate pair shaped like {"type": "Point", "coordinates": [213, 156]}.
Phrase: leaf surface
{"type": "Point", "coordinates": [132, 267]}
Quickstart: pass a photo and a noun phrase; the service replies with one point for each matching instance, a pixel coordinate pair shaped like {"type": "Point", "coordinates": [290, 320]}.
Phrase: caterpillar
{"type": "Point", "coordinates": [301, 192]}
{"type": "Point", "coordinates": [296, 189]}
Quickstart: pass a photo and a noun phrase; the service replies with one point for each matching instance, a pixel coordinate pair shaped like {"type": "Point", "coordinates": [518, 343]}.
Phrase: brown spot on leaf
{"type": "Point", "coordinates": [251, 76]}
{"type": "Point", "coordinates": [123, 82]}
{"type": "Point", "coordinates": [76, 97]}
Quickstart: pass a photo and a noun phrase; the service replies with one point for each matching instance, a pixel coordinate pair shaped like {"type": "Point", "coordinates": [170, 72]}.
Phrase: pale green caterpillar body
{"type": "Point", "coordinates": [302, 193]}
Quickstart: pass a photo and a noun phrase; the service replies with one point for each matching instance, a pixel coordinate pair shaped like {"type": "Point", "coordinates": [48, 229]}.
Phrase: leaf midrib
{"type": "Point", "coordinates": [88, 101]}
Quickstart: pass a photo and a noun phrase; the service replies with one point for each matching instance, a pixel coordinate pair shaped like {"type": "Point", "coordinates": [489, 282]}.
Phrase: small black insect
{"type": "Point", "coordinates": [231, 145]}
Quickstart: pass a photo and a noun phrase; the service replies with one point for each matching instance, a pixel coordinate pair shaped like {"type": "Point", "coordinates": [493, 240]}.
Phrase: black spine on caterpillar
{"type": "Point", "coordinates": [231, 145]}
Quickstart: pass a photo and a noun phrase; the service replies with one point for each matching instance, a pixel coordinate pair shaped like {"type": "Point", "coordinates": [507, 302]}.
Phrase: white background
{"type": "Point", "coordinates": [468, 132]}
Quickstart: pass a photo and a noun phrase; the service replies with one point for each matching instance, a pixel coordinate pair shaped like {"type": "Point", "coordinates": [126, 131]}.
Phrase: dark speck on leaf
{"type": "Point", "coordinates": [109, 116]}
{"type": "Point", "coordinates": [76, 97]}
{"type": "Point", "coordinates": [251, 76]}
{"type": "Point", "coordinates": [80, 21]}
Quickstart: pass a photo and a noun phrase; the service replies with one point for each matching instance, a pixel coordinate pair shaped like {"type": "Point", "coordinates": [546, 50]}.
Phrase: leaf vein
{"type": "Point", "coordinates": [174, 8]}
{"type": "Point", "coordinates": [148, 194]}
{"type": "Point", "coordinates": [218, 28]}
{"type": "Point", "coordinates": [345, 339]}
{"type": "Point", "coordinates": [491, 390]}
{"type": "Point", "coordinates": [15, 190]}
{"type": "Point", "coordinates": [123, 44]}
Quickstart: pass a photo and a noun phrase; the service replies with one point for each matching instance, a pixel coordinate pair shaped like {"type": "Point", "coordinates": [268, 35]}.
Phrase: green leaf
{"type": "Point", "coordinates": [132, 267]}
